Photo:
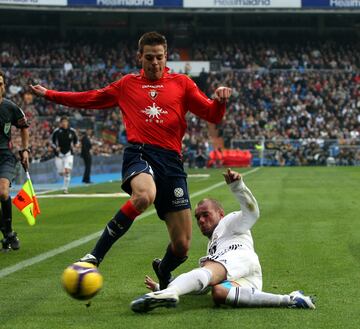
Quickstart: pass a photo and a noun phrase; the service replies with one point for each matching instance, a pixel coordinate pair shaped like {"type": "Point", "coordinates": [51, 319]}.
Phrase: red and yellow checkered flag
{"type": "Point", "coordinates": [26, 201]}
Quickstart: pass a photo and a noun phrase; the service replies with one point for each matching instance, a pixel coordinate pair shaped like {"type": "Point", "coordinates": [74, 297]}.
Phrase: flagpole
{"type": "Point", "coordinates": [28, 177]}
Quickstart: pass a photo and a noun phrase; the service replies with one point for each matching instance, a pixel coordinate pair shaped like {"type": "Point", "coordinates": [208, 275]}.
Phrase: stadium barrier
{"type": "Point", "coordinates": [45, 172]}
{"type": "Point", "coordinates": [297, 152]}
{"type": "Point", "coordinates": [229, 158]}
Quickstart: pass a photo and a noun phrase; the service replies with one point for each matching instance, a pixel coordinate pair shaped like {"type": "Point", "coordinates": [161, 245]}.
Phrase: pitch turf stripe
{"type": "Point", "coordinates": [193, 195]}
{"type": "Point", "coordinates": [97, 195]}
{"type": "Point", "coordinates": [46, 255]}
{"type": "Point", "coordinates": [110, 195]}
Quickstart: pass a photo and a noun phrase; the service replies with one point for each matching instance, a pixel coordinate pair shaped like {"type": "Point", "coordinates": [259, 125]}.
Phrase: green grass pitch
{"type": "Point", "coordinates": [308, 237]}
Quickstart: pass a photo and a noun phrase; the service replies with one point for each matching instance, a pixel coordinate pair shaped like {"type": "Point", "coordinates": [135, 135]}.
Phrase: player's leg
{"type": "Point", "coordinates": [87, 170]}
{"type": "Point", "coordinates": [59, 164]}
{"type": "Point", "coordinates": [10, 240]}
{"type": "Point", "coordinates": [211, 273]}
{"type": "Point", "coordinates": [7, 174]}
{"type": "Point", "coordinates": [231, 293]}
{"type": "Point", "coordinates": [244, 289]}
{"type": "Point", "coordinates": [138, 181]}
{"type": "Point", "coordinates": [6, 208]}
{"type": "Point", "coordinates": [194, 281]}
{"type": "Point", "coordinates": [143, 195]}
{"type": "Point", "coordinates": [68, 161]}
{"type": "Point", "coordinates": [173, 206]}
{"type": "Point", "coordinates": [241, 296]}
{"type": "Point", "coordinates": [67, 178]}
{"type": "Point", "coordinates": [179, 225]}
{"type": "Point", "coordinates": [244, 282]}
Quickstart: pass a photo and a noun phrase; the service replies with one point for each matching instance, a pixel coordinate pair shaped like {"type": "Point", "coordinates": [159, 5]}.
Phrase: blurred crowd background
{"type": "Point", "coordinates": [294, 103]}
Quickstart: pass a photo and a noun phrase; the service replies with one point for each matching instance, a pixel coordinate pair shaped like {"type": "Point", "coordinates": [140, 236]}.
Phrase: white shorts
{"type": "Point", "coordinates": [64, 161]}
{"type": "Point", "coordinates": [242, 266]}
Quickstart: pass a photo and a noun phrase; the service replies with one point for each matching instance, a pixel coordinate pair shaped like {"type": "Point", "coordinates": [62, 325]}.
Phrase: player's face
{"type": "Point", "coordinates": [2, 86]}
{"type": "Point", "coordinates": [64, 124]}
{"type": "Point", "coordinates": [208, 217]}
{"type": "Point", "coordinates": [153, 61]}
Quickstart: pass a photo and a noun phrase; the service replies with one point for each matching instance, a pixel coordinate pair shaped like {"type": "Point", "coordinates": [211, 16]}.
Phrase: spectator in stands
{"type": "Point", "coordinates": [200, 158]}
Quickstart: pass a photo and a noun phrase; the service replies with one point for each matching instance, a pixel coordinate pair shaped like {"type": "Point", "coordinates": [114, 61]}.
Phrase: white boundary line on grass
{"type": "Point", "coordinates": [54, 252]}
{"type": "Point", "coordinates": [40, 195]}
{"type": "Point", "coordinates": [78, 196]}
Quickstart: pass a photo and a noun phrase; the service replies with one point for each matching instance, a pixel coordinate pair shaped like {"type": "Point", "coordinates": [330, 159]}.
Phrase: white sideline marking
{"type": "Point", "coordinates": [40, 195]}
{"type": "Point", "coordinates": [98, 195]}
{"type": "Point", "coordinates": [198, 175]}
{"type": "Point", "coordinates": [46, 255]}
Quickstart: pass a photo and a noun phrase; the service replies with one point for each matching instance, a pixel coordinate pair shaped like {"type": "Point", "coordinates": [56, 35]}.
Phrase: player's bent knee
{"type": "Point", "coordinates": [142, 201]}
{"type": "Point", "coordinates": [4, 196]}
{"type": "Point", "coordinates": [181, 247]}
{"type": "Point", "coordinates": [4, 192]}
{"type": "Point", "coordinates": [219, 294]}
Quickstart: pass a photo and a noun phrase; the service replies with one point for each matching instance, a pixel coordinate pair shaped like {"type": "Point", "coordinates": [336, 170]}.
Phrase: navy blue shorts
{"type": "Point", "coordinates": [167, 170]}
{"type": "Point", "coordinates": [8, 163]}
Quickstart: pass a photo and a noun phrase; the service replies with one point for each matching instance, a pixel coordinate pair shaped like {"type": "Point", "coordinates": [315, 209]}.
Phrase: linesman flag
{"type": "Point", "coordinates": [26, 201]}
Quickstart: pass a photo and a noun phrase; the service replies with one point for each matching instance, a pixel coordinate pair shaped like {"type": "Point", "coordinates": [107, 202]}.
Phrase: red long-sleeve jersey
{"type": "Point", "coordinates": [153, 111]}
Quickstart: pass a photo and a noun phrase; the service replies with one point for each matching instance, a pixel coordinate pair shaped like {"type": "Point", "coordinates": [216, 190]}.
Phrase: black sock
{"type": "Point", "coordinates": [116, 228]}
{"type": "Point", "coordinates": [2, 225]}
{"type": "Point", "coordinates": [170, 261]}
{"type": "Point", "coordinates": [6, 218]}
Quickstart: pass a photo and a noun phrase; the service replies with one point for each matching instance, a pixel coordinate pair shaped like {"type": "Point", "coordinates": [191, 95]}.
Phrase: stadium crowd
{"type": "Point", "coordinates": [254, 55]}
{"type": "Point", "coordinates": [301, 101]}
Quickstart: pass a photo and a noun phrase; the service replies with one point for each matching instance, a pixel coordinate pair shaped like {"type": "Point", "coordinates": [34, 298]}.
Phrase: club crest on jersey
{"type": "Point", "coordinates": [7, 127]}
{"type": "Point", "coordinates": [153, 112]}
{"type": "Point", "coordinates": [179, 192]}
{"type": "Point", "coordinates": [153, 94]}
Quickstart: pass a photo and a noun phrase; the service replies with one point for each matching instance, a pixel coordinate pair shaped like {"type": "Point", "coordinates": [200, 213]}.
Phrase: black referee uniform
{"type": "Point", "coordinates": [10, 115]}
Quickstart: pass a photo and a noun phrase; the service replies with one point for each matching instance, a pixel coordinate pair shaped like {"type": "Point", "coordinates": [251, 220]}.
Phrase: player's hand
{"type": "Point", "coordinates": [222, 94]}
{"type": "Point", "coordinates": [231, 176]}
{"type": "Point", "coordinates": [38, 90]}
{"type": "Point", "coordinates": [24, 158]}
{"type": "Point", "coordinates": [151, 284]}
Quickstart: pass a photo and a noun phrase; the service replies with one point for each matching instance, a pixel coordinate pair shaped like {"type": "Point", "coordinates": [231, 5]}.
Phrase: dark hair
{"type": "Point", "coordinates": [151, 39]}
{"type": "Point", "coordinates": [64, 117]}
{"type": "Point", "coordinates": [216, 204]}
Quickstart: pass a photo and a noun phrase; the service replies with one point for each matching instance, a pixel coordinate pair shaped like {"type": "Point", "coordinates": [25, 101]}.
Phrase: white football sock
{"type": "Point", "coordinates": [244, 296]}
{"type": "Point", "coordinates": [67, 178]}
{"type": "Point", "coordinates": [193, 281]}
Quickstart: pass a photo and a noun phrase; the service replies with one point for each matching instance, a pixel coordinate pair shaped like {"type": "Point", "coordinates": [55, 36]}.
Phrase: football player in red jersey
{"type": "Point", "coordinates": [153, 103]}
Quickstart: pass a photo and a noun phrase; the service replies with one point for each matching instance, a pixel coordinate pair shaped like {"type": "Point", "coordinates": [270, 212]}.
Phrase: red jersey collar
{"type": "Point", "coordinates": [166, 72]}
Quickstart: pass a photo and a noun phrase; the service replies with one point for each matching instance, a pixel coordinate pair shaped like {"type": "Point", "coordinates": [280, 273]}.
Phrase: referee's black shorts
{"type": "Point", "coordinates": [7, 165]}
{"type": "Point", "coordinates": [167, 170]}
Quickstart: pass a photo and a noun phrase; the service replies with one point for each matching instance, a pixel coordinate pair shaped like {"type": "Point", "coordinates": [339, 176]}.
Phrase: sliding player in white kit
{"type": "Point", "coordinates": [231, 267]}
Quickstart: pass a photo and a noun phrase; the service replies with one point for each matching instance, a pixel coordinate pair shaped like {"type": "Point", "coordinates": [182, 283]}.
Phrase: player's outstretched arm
{"type": "Point", "coordinates": [211, 110]}
{"type": "Point", "coordinates": [91, 99]}
{"type": "Point", "coordinates": [38, 90]}
{"type": "Point", "coordinates": [231, 176]}
{"type": "Point", "coordinates": [222, 94]}
{"type": "Point", "coordinates": [249, 207]}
